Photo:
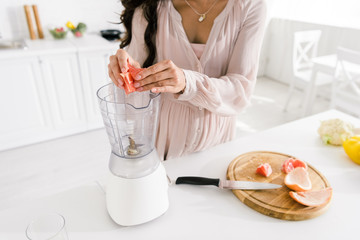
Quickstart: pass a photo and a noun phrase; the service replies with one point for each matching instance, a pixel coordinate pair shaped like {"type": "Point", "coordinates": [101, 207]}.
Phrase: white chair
{"type": "Point", "coordinates": [346, 85]}
{"type": "Point", "coordinates": [305, 46]}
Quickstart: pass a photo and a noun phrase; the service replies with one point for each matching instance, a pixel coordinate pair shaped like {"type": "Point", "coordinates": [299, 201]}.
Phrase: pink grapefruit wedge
{"type": "Point", "coordinates": [264, 169]}
{"type": "Point", "coordinates": [291, 163]}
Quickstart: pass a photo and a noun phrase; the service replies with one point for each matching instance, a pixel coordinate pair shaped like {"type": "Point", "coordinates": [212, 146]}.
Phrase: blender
{"type": "Point", "coordinates": [137, 188]}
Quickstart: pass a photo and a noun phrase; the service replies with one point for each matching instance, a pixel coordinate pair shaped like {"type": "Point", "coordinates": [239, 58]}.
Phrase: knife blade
{"type": "Point", "coordinates": [226, 184]}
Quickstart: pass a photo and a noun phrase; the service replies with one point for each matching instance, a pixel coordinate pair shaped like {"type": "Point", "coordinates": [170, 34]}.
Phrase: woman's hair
{"type": "Point", "coordinates": [149, 8]}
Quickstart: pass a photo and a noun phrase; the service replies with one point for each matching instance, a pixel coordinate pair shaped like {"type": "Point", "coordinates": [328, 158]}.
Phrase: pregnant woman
{"type": "Point", "coordinates": [202, 55]}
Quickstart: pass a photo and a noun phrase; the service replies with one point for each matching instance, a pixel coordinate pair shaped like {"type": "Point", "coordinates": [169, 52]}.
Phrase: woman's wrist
{"type": "Point", "coordinates": [183, 90]}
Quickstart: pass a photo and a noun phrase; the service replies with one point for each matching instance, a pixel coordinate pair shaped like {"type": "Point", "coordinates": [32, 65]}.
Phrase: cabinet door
{"type": "Point", "coordinates": [23, 103]}
{"type": "Point", "coordinates": [94, 73]}
{"type": "Point", "coordinates": [65, 92]}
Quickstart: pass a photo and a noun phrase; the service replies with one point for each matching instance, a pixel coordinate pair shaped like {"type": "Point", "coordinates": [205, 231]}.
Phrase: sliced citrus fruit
{"type": "Point", "coordinates": [128, 82]}
{"type": "Point", "coordinates": [128, 78]}
{"type": "Point", "coordinates": [299, 163]}
{"type": "Point", "coordinates": [291, 163]}
{"type": "Point", "coordinates": [312, 198]}
{"type": "Point", "coordinates": [264, 169]}
{"type": "Point", "coordinates": [133, 70]}
{"type": "Point", "coordinates": [298, 180]}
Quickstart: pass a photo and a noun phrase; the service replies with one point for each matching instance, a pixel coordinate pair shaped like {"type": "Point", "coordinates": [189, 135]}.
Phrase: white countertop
{"type": "Point", "coordinates": [89, 42]}
{"type": "Point", "coordinates": [195, 212]}
{"type": "Point", "coordinates": [93, 42]}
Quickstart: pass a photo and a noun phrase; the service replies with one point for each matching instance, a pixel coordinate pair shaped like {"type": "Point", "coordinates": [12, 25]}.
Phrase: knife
{"type": "Point", "coordinates": [226, 184]}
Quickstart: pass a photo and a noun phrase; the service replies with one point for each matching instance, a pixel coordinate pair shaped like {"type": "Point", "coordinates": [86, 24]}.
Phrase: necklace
{"type": "Point", "coordinates": [202, 15]}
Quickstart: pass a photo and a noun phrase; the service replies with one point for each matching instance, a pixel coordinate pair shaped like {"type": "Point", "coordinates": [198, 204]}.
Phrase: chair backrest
{"type": "Point", "coordinates": [346, 85]}
{"type": "Point", "coordinates": [305, 47]}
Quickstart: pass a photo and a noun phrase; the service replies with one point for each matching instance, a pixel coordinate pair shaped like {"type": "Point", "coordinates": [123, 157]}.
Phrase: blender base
{"type": "Point", "coordinates": [138, 200]}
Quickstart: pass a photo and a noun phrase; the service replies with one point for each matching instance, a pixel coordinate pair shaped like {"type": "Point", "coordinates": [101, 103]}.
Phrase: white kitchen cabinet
{"type": "Point", "coordinates": [41, 98]}
{"type": "Point", "coordinates": [94, 74]}
{"type": "Point", "coordinates": [61, 73]}
{"type": "Point", "coordinates": [49, 90]}
{"type": "Point", "coordinates": [25, 115]}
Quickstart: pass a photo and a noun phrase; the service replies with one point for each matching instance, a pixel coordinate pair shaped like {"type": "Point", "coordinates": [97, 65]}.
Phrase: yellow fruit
{"type": "Point", "coordinates": [70, 25]}
{"type": "Point", "coordinates": [352, 148]}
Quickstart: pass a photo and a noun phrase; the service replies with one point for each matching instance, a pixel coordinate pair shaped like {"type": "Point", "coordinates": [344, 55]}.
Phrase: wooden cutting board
{"type": "Point", "coordinates": [275, 203]}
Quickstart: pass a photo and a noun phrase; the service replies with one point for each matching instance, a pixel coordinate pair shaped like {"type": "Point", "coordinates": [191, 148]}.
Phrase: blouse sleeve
{"type": "Point", "coordinates": [230, 94]}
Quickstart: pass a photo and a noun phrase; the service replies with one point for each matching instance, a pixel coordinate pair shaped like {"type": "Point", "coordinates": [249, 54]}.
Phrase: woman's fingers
{"type": "Point", "coordinates": [114, 79]}
{"type": "Point", "coordinates": [115, 69]}
{"type": "Point", "coordinates": [164, 76]}
{"type": "Point", "coordinates": [111, 75]}
{"type": "Point", "coordinates": [160, 76]}
{"type": "Point", "coordinates": [122, 58]}
{"type": "Point", "coordinates": [161, 86]}
{"type": "Point", "coordinates": [158, 67]}
{"type": "Point", "coordinates": [134, 63]}
{"type": "Point", "coordinates": [119, 64]}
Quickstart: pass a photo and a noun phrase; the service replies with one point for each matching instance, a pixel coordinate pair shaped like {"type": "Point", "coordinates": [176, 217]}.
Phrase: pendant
{"type": "Point", "coordinates": [202, 17]}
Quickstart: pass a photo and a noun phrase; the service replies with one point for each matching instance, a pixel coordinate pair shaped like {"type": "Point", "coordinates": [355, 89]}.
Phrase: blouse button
{"type": "Point", "coordinates": [198, 130]}
{"type": "Point", "coordinates": [200, 108]}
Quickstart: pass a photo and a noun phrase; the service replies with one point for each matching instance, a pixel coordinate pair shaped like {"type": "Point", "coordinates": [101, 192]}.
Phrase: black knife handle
{"type": "Point", "coordinates": [198, 181]}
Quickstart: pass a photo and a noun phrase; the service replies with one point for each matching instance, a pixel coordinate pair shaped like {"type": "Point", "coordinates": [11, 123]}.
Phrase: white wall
{"type": "Point", "coordinates": [95, 13]}
{"type": "Point", "coordinates": [330, 15]}
{"type": "Point", "coordinates": [279, 43]}
{"type": "Point", "coordinates": [339, 21]}
{"type": "Point", "coordinates": [340, 13]}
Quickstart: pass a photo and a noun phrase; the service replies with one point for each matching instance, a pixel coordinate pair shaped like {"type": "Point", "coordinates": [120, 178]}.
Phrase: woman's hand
{"type": "Point", "coordinates": [164, 76]}
{"type": "Point", "coordinates": [119, 64]}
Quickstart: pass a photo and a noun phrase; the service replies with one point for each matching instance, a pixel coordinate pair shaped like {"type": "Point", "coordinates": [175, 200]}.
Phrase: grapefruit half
{"type": "Point", "coordinates": [312, 198]}
{"type": "Point", "coordinates": [298, 180]}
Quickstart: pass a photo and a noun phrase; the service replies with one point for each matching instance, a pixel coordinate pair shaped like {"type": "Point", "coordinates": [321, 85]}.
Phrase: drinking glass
{"type": "Point", "coordinates": [47, 227]}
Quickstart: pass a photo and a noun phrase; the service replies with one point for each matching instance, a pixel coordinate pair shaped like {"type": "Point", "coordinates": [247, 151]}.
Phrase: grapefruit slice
{"type": "Point", "coordinates": [298, 180]}
{"type": "Point", "coordinates": [299, 163]}
{"type": "Point", "coordinates": [133, 70]}
{"type": "Point", "coordinates": [128, 82]}
{"type": "Point", "coordinates": [312, 198]}
{"type": "Point", "coordinates": [128, 78]}
{"type": "Point", "coordinates": [290, 164]}
{"type": "Point", "coordinates": [264, 169]}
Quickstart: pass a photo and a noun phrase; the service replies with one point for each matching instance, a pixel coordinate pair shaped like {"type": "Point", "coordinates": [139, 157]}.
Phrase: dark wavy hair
{"type": "Point", "coordinates": [149, 8]}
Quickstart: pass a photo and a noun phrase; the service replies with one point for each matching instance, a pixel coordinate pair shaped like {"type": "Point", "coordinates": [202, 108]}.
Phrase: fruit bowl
{"type": "Point", "coordinates": [58, 32]}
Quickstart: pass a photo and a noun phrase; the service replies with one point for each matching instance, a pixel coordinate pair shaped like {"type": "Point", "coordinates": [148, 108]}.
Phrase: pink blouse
{"type": "Point", "coordinates": [218, 85]}
{"type": "Point", "coordinates": [198, 49]}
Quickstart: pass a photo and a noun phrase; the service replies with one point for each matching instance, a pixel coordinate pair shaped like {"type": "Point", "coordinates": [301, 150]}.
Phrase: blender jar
{"type": "Point", "coordinates": [131, 125]}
